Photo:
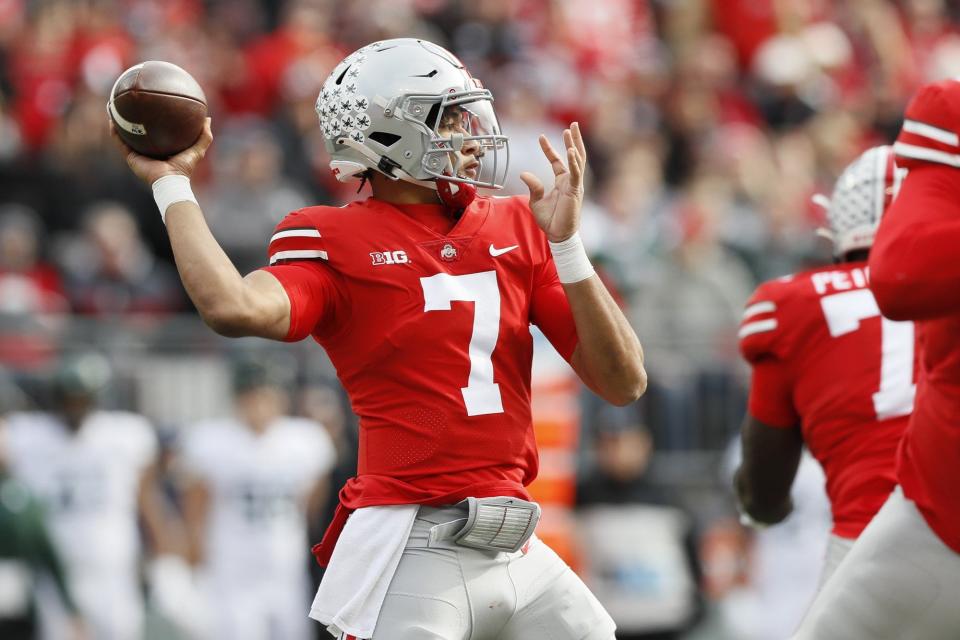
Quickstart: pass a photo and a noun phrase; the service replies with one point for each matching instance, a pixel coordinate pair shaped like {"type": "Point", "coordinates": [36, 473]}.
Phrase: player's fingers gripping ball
{"type": "Point", "coordinates": [157, 109]}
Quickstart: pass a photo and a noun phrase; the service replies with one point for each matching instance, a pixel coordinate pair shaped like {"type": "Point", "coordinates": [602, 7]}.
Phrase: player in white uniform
{"type": "Point", "coordinates": [94, 472]}
{"type": "Point", "coordinates": [252, 479]}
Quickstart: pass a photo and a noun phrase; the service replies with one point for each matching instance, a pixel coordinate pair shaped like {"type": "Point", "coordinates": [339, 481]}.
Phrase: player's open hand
{"type": "Point", "coordinates": [558, 212]}
{"type": "Point", "coordinates": [151, 169]}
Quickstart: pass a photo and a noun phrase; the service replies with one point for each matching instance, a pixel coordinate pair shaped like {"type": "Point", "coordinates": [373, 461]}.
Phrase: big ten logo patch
{"type": "Point", "coordinates": [389, 257]}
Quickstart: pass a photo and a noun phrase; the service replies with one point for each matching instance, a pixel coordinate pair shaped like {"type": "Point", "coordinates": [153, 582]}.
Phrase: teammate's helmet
{"type": "Point", "coordinates": [254, 371]}
{"type": "Point", "coordinates": [860, 197]}
{"type": "Point", "coordinates": [83, 375]}
{"type": "Point", "coordinates": [381, 107]}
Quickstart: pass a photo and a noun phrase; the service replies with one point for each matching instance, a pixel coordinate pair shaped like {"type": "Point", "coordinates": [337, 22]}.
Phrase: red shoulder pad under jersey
{"type": "Point", "coordinates": [298, 238]}
{"type": "Point", "coordinates": [765, 329]}
{"type": "Point", "coordinates": [930, 127]}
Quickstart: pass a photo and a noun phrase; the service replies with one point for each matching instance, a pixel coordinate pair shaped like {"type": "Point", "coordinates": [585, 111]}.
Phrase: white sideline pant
{"type": "Point", "coordinates": [899, 582]}
{"type": "Point", "coordinates": [447, 592]}
{"type": "Point", "coordinates": [262, 611]}
{"type": "Point", "coordinates": [837, 550]}
{"type": "Point", "coordinates": [110, 604]}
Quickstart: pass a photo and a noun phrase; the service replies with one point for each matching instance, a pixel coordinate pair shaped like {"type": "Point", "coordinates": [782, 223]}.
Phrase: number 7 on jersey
{"type": "Point", "coordinates": [481, 395]}
{"type": "Point", "coordinates": [843, 312]}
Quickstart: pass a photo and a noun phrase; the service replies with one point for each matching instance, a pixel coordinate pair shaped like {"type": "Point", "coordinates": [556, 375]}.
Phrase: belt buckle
{"type": "Point", "coordinates": [498, 524]}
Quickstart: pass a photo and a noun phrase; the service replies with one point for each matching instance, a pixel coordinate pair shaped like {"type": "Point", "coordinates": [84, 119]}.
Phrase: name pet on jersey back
{"type": "Point", "coordinates": [832, 281]}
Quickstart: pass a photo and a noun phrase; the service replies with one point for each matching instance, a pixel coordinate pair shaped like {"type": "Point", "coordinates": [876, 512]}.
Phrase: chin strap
{"type": "Point", "coordinates": [453, 195]}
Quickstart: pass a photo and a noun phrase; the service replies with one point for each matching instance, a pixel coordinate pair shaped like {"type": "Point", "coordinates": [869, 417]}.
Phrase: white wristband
{"type": "Point", "coordinates": [571, 259]}
{"type": "Point", "coordinates": [169, 190]}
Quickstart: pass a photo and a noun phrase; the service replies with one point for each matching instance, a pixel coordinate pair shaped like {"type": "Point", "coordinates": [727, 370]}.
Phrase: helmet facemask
{"type": "Point", "coordinates": [464, 119]}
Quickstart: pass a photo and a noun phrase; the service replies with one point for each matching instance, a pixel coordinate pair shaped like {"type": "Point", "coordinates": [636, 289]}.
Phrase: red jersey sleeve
{"type": "Point", "coordinates": [765, 344]}
{"type": "Point", "coordinates": [550, 310]}
{"type": "Point", "coordinates": [930, 132]}
{"type": "Point", "coordinates": [297, 258]}
{"type": "Point", "coordinates": [297, 238]}
{"type": "Point", "coordinates": [914, 270]}
{"type": "Point", "coordinates": [914, 273]}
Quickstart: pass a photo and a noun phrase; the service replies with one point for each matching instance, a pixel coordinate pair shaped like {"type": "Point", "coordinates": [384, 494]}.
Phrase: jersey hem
{"type": "Point", "coordinates": [908, 484]}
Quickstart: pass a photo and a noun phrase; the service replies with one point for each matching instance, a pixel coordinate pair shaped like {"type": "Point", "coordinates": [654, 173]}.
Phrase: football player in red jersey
{"type": "Point", "coordinates": [902, 577]}
{"type": "Point", "coordinates": [828, 371]}
{"type": "Point", "coordinates": [422, 296]}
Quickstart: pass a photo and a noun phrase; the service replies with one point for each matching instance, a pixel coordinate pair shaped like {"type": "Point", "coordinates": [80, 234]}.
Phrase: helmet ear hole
{"type": "Point", "coordinates": [384, 138]}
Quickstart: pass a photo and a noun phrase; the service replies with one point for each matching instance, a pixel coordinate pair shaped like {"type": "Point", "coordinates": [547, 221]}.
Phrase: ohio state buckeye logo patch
{"type": "Point", "coordinates": [449, 252]}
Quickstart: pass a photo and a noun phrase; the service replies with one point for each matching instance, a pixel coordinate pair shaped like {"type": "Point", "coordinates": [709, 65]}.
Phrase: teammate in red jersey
{"type": "Point", "coordinates": [902, 577]}
{"type": "Point", "coordinates": [829, 371]}
{"type": "Point", "coordinates": [422, 296]}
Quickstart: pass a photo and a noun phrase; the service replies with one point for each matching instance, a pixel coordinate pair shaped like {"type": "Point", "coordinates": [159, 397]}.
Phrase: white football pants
{"type": "Point", "coordinates": [110, 604]}
{"type": "Point", "coordinates": [442, 591]}
{"type": "Point", "coordinates": [899, 582]}
{"type": "Point", "coordinates": [837, 550]}
{"type": "Point", "coordinates": [262, 611]}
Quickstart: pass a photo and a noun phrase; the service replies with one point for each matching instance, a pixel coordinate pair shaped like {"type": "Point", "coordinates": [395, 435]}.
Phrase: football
{"type": "Point", "coordinates": [158, 108]}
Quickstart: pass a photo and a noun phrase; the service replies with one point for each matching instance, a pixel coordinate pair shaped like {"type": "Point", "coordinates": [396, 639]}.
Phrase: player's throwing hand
{"type": "Point", "coordinates": [558, 212]}
{"type": "Point", "coordinates": [150, 169]}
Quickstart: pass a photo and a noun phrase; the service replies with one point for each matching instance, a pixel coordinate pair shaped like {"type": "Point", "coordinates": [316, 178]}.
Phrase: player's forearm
{"type": "Point", "coordinates": [317, 499]}
{"type": "Point", "coordinates": [212, 282]}
{"type": "Point", "coordinates": [225, 300]}
{"type": "Point", "coordinates": [608, 355]}
{"type": "Point", "coordinates": [164, 532]}
{"type": "Point", "coordinates": [763, 505]}
{"type": "Point", "coordinates": [196, 506]}
{"type": "Point", "coordinates": [771, 457]}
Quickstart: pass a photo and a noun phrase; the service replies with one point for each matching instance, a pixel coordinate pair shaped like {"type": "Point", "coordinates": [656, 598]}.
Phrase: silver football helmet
{"type": "Point", "coordinates": [381, 108]}
{"type": "Point", "coordinates": [860, 197]}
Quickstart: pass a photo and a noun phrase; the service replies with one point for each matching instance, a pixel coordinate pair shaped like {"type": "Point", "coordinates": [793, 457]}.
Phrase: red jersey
{"type": "Point", "coordinates": [825, 361]}
{"type": "Point", "coordinates": [916, 275]}
{"type": "Point", "coordinates": [430, 336]}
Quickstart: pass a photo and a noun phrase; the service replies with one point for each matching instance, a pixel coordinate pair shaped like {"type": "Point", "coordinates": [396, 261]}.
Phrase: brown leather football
{"type": "Point", "coordinates": [158, 108]}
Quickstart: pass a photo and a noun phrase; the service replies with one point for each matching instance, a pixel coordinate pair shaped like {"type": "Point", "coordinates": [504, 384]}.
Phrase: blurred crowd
{"type": "Point", "coordinates": [709, 125]}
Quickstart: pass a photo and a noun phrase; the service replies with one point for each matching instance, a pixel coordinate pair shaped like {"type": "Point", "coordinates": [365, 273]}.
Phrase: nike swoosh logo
{"type": "Point", "coordinates": [499, 252]}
